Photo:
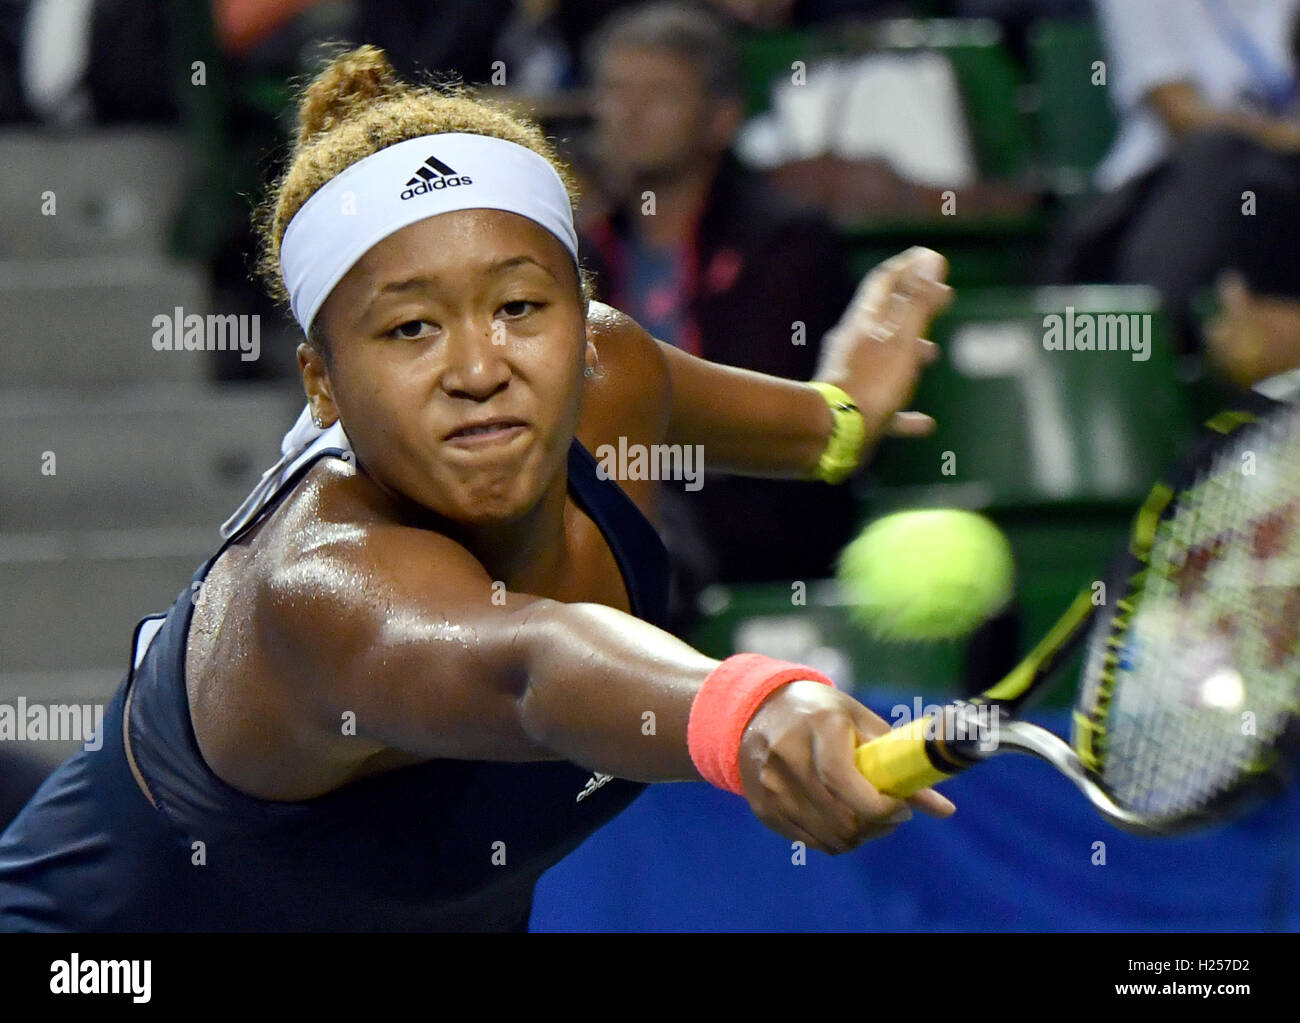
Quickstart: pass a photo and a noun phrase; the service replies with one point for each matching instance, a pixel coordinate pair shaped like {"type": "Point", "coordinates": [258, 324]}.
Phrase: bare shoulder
{"type": "Point", "coordinates": [318, 614]}
{"type": "Point", "coordinates": [606, 320]}
{"type": "Point", "coordinates": [330, 581]}
{"type": "Point", "coordinates": [339, 568]}
{"type": "Point", "coordinates": [631, 390]}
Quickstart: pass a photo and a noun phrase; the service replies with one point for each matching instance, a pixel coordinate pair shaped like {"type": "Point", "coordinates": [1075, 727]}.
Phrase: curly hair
{"type": "Point", "coordinates": [357, 106]}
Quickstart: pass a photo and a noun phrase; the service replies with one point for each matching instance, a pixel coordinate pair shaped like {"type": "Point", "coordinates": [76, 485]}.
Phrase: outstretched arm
{"type": "Point", "coordinates": [752, 424]}
{"type": "Point", "coordinates": [404, 629]}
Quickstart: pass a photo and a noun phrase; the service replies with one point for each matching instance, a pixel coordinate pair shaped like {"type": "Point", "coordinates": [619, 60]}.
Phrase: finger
{"type": "Point", "coordinates": [929, 351]}
{"type": "Point", "coordinates": [774, 819]}
{"type": "Point", "coordinates": [946, 296]}
{"type": "Point", "coordinates": [924, 262]}
{"type": "Point", "coordinates": [806, 803]}
{"type": "Point", "coordinates": [788, 799]}
{"type": "Point", "coordinates": [868, 723]}
{"type": "Point", "coordinates": [933, 804]}
{"type": "Point", "coordinates": [905, 312]}
{"type": "Point", "coordinates": [837, 768]}
{"type": "Point", "coordinates": [912, 306]}
{"type": "Point", "coordinates": [869, 726]}
{"type": "Point", "coordinates": [790, 830]}
{"type": "Point", "coordinates": [879, 283]}
{"type": "Point", "coordinates": [930, 264]}
{"type": "Point", "coordinates": [873, 293]}
{"type": "Point", "coordinates": [911, 424]}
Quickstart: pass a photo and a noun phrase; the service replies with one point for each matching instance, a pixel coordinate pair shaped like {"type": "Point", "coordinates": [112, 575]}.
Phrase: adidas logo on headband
{"type": "Point", "coordinates": [432, 175]}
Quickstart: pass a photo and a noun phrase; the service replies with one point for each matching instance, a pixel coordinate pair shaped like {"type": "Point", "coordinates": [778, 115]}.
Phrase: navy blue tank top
{"type": "Point", "coordinates": [440, 845]}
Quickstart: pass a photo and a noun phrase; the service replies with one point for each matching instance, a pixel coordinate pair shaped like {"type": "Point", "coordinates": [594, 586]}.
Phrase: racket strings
{"type": "Point", "coordinates": [1206, 677]}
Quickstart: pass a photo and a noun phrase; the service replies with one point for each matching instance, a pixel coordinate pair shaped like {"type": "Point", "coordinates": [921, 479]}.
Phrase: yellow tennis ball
{"type": "Point", "coordinates": [926, 575]}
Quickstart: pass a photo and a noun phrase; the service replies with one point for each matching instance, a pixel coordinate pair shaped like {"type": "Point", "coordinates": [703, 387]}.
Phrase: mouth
{"type": "Point", "coordinates": [486, 432]}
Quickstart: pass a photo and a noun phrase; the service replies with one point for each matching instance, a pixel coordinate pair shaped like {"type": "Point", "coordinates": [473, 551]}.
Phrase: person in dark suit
{"type": "Point", "coordinates": [706, 257]}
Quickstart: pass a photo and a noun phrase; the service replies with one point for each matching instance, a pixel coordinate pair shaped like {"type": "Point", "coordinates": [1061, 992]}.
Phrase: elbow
{"type": "Point", "coordinates": [533, 645]}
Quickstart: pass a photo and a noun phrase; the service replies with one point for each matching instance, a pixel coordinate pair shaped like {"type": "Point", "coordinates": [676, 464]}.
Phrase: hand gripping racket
{"type": "Point", "coordinates": [1190, 692]}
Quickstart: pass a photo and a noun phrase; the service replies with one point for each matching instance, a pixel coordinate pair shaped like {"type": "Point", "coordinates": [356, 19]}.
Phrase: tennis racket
{"type": "Point", "coordinates": [1190, 692]}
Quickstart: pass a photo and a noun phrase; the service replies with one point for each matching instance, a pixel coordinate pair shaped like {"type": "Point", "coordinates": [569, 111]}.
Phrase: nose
{"type": "Point", "coordinates": [475, 367]}
{"type": "Point", "coordinates": [615, 105]}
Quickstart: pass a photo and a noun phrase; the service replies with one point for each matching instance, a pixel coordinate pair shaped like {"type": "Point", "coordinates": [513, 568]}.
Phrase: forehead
{"type": "Point", "coordinates": [462, 241]}
{"type": "Point", "coordinates": [457, 250]}
{"type": "Point", "coordinates": [635, 62]}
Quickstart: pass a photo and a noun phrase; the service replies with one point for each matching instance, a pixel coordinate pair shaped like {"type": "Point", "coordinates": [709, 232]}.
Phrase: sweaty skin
{"type": "Point", "coordinates": [370, 591]}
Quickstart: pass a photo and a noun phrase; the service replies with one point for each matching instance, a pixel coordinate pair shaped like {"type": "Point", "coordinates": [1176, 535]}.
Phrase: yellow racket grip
{"type": "Point", "coordinates": [896, 762]}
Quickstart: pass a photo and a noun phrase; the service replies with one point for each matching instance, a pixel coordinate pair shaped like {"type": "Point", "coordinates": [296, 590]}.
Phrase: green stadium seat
{"type": "Point", "coordinates": [1076, 123]}
{"type": "Point", "coordinates": [766, 58]}
{"type": "Point", "coordinates": [982, 252]}
{"type": "Point", "coordinates": [1020, 425]}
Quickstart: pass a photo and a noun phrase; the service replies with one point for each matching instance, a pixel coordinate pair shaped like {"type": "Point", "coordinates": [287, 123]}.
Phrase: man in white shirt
{"type": "Point", "coordinates": [1179, 66]}
{"type": "Point", "coordinates": [1207, 99]}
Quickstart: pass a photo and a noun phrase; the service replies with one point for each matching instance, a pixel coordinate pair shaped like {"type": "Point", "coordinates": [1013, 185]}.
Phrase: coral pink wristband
{"type": "Point", "coordinates": [724, 705]}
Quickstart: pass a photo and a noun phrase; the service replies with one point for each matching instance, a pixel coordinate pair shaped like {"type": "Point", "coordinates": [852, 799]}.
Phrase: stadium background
{"type": "Point", "coordinates": [152, 449]}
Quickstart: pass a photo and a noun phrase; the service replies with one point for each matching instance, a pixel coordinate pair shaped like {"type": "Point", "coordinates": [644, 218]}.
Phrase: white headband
{"type": "Point", "coordinates": [402, 184]}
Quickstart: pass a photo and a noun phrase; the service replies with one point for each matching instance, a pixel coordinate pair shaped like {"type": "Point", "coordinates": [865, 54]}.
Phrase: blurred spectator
{"type": "Point", "coordinates": [1253, 339]}
{"type": "Point", "coordinates": [244, 25]}
{"type": "Point", "coordinates": [721, 267]}
{"type": "Point", "coordinates": [1206, 95]}
{"type": "Point", "coordinates": [543, 42]}
{"type": "Point", "coordinates": [1178, 67]}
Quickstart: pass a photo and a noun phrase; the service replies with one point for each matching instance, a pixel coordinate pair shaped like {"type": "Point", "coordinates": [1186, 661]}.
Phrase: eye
{"type": "Point", "coordinates": [410, 330]}
{"type": "Point", "coordinates": [521, 307]}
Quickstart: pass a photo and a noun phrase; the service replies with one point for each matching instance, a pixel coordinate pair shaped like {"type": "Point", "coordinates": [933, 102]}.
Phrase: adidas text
{"type": "Point", "coordinates": [424, 187]}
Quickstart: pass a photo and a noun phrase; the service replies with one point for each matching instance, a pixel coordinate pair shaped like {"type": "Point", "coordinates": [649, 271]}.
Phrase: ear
{"type": "Point", "coordinates": [316, 382]}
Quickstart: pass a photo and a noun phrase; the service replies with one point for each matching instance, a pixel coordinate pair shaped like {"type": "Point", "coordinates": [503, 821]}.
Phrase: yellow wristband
{"type": "Point", "coordinates": [848, 435]}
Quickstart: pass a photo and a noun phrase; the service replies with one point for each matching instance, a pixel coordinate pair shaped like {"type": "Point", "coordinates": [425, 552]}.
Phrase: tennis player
{"type": "Point", "coordinates": [425, 664]}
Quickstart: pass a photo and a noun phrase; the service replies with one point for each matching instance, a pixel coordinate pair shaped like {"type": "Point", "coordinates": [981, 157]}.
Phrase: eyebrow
{"type": "Point", "coordinates": [418, 283]}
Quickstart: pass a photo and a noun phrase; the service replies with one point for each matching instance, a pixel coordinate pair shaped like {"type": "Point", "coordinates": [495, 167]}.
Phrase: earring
{"type": "Point", "coordinates": [320, 423]}
{"type": "Point", "coordinates": [588, 371]}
